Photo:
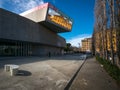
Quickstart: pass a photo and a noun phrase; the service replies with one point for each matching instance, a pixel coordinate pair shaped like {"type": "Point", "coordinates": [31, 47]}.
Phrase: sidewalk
{"type": "Point", "coordinates": [93, 77]}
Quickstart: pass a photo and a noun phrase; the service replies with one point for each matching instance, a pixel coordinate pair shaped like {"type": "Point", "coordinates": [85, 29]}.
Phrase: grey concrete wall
{"type": "Point", "coordinates": [15, 27]}
{"type": "Point", "coordinates": [44, 50]}
{"type": "Point", "coordinates": [0, 23]}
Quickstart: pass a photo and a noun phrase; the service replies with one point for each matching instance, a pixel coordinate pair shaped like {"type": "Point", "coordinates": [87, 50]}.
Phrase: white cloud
{"type": "Point", "coordinates": [23, 5]}
{"type": "Point", "coordinates": [76, 41]}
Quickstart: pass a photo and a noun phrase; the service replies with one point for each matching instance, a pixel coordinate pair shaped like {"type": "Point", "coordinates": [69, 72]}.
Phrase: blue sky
{"type": "Point", "coordinates": [81, 11]}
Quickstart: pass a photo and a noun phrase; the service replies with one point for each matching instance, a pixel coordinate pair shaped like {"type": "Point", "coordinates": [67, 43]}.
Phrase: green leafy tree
{"type": "Point", "coordinates": [68, 47]}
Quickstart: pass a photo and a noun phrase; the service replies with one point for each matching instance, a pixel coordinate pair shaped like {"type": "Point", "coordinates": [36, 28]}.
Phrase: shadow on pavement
{"type": "Point", "coordinates": [32, 59]}
{"type": "Point", "coordinates": [24, 73]}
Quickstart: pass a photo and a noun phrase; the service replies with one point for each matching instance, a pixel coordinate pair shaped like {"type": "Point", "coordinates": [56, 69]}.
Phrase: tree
{"type": "Point", "coordinates": [112, 21]}
{"type": "Point", "coordinates": [100, 25]}
{"type": "Point", "coordinates": [68, 47]}
{"type": "Point", "coordinates": [107, 21]}
{"type": "Point", "coordinates": [117, 13]}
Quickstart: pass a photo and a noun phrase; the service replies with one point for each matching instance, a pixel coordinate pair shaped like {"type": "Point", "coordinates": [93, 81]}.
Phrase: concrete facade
{"type": "Point", "coordinates": [36, 14]}
{"type": "Point", "coordinates": [50, 17]}
{"type": "Point", "coordinates": [29, 37]}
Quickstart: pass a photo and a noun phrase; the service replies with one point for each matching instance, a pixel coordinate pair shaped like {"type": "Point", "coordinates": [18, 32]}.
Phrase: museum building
{"type": "Point", "coordinates": [33, 32]}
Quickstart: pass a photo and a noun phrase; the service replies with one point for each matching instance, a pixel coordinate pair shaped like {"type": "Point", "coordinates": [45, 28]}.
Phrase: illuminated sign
{"type": "Point", "coordinates": [55, 16]}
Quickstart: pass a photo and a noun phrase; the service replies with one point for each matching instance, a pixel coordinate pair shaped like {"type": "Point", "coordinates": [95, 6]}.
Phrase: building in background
{"type": "Point", "coordinates": [86, 45]}
{"type": "Point", "coordinates": [33, 32]}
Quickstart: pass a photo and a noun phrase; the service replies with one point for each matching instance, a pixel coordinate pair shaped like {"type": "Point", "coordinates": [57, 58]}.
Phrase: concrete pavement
{"type": "Point", "coordinates": [93, 77]}
{"type": "Point", "coordinates": [37, 73]}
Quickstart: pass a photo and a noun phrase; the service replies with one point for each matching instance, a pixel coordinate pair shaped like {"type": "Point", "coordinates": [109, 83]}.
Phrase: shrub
{"type": "Point", "coordinates": [112, 70]}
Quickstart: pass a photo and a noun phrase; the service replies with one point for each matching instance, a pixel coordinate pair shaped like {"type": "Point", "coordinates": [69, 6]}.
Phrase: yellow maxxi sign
{"type": "Point", "coordinates": [61, 21]}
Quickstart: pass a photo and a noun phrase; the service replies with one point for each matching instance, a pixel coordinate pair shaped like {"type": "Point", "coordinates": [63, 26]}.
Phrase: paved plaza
{"type": "Point", "coordinates": [37, 73]}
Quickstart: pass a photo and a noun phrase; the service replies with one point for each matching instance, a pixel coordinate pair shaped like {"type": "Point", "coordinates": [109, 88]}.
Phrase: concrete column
{"type": "Point", "coordinates": [21, 49]}
{"type": "Point", "coordinates": [30, 49]}
{"type": "Point", "coordinates": [15, 47]}
{"type": "Point", "coordinates": [18, 46]}
{"type": "Point", "coordinates": [26, 49]}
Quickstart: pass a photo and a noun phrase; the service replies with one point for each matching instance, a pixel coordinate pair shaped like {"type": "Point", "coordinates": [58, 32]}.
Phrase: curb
{"type": "Point", "coordinates": [68, 85]}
